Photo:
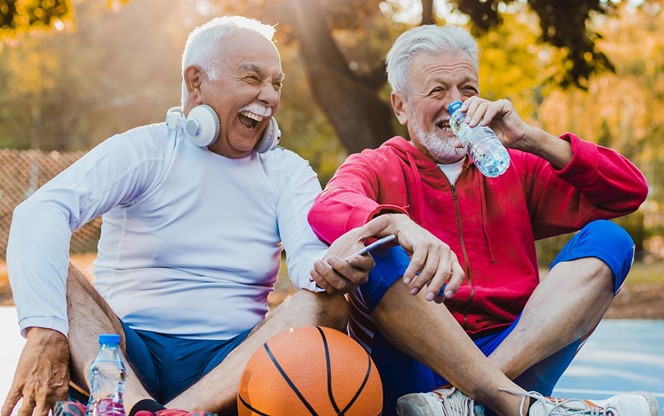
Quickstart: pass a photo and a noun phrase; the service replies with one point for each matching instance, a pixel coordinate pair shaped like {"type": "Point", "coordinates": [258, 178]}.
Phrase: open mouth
{"type": "Point", "coordinates": [443, 125]}
{"type": "Point", "coordinates": [253, 114]}
{"type": "Point", "coordinates": [249, 120]}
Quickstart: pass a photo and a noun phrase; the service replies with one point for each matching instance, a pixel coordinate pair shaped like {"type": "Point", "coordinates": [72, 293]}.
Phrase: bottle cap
{"type": "Point", "coordinates": [113, 339]}
{"type": "Point", "coordinates": [454, 105]}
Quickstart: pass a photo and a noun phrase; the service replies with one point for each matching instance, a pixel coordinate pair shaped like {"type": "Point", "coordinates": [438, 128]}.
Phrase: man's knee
{"type": "Point", "coordinates": [327, 310]}
{"type": "Point", "coordinates": [606, 241]}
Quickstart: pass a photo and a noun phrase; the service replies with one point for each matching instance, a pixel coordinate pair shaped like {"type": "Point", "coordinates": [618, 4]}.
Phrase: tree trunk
{"type": "Point", "coordinates": [358, 116]}
{"type": "Point", "coordinates": [428, 17]}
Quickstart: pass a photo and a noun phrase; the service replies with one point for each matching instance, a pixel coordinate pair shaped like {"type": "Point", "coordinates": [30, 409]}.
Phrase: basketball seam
{"type": "Point", "coordinates": [359, 390]}
{"type": "Point", "coordinates": [288, 380]}
{"type": "Point", "coordinates": [253, 409]}
{"type": "Point", "coordinates": [328, 364]}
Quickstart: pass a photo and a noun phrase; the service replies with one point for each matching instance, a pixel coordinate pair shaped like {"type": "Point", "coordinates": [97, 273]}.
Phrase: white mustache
{"type": "Point", "coordinates": [256, 111]}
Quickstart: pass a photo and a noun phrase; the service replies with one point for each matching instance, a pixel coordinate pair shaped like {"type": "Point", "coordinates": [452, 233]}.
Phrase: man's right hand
{"type": "Point", "coordinates": [42, 374]}
{"type": "Point", "coordinates": [432, 262]}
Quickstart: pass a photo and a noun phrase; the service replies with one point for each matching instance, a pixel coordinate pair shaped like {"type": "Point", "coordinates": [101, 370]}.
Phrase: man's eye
{"type": "Point", "coordinates": [435, 90]}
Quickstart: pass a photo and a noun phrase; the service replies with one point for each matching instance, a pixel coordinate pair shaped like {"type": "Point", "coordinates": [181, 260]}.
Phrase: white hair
{"type": "Point", "coordinates": [430, 39]}
{"type": "Point", "coordinates": [204, 46]}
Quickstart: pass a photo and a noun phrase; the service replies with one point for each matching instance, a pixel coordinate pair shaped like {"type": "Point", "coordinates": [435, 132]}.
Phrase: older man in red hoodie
{"type": "Point", "coordinates": [459, 303]}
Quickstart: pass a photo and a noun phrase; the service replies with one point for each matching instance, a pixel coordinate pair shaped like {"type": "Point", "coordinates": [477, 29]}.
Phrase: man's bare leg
{"type": "Point", "coordinates": [567, 304]}
{"type": "Point", "coordinates": [428, 332]}
{"type": "Point", "coordinates": [89, 316]}
{"type": "Point", "coordinates": [216, 392]}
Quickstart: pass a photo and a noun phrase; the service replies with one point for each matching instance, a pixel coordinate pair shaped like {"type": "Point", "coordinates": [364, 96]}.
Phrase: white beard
{"type": "Point", "coordinates": [442, 149]}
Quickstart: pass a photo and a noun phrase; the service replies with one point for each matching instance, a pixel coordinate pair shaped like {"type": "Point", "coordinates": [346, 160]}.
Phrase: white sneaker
{"type": "Point", "coordinates": [441, 402]}
{"type": "Point", "coordinates": [626, 404]}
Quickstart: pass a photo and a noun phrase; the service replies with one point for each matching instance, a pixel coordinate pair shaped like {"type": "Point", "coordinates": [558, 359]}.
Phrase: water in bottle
{"type": "Point", "coordinates": [107, 375]}
{"type": "Point", "coordinates": [481, 143]}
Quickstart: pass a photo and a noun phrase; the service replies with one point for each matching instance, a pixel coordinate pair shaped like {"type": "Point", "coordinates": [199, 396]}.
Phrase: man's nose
{"type": "Point", "coordinates": [269, 95]}
{"type": "Point", "coordinates": [454, 95]}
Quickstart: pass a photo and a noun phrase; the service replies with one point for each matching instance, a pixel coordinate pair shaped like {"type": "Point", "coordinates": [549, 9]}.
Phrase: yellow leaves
{"type": "Point", "coordinates": [18, 17]}
{"type": "Point", "coordinates": [115, 4]}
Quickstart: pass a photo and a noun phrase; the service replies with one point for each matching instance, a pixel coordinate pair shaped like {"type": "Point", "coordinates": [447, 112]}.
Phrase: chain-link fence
{"type": "Point", "coordinates": [22, 172]}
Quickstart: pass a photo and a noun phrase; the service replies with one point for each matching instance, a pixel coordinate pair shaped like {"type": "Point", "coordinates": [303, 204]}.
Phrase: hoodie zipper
{"type": "Point", "coordinates": [463, 244]}
{"type": "Point", "coordinates": [463, 249]}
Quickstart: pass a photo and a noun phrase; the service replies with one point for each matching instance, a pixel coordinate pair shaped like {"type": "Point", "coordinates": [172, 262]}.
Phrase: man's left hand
{"type": "Point", "coordinates": [338, 273]}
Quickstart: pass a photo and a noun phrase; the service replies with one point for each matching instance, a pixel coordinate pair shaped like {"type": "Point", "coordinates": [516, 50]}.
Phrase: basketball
{"type": "Point", "coordinates": [310, 370]}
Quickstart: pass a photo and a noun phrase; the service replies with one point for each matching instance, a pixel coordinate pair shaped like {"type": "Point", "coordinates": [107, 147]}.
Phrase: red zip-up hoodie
{"type": "Point", "coordinates": [490, 223]}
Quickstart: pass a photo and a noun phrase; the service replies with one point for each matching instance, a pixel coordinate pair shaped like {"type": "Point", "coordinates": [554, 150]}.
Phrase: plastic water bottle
{"type": "Point", "coordinates": [481, 143]}
{"type": "Point", "coordinates": [107, 375]}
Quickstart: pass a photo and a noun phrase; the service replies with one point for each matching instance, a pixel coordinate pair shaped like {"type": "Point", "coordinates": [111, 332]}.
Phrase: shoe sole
{"type": "Point", "coordinates": [652, 402]}
{"type": "Point", "coordinates": [416, 404]}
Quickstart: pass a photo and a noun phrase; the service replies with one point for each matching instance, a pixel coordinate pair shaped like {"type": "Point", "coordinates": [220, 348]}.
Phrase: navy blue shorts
{"type": "Point", "coordinates": [401, 374]}
{"type": "Point", "coordinates": [167, 365]}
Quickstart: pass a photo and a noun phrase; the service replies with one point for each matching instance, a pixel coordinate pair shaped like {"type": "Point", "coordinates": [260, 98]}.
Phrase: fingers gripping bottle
{"type": "Point", "coordinates": [481, 143]}
{"type": "Point", "coordinates": [107, 375]}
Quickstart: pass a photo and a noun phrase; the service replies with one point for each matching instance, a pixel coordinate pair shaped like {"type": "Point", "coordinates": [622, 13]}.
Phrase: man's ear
{"type": "Point", "coordinates": [193, 78]}
{"type": "Point", "coordinates": [400, 107]}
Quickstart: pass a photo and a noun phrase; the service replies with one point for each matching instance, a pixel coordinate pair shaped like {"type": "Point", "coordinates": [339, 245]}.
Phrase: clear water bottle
{"type": "Point", "coordinates": [481, 143]}
{"type": "Point", "coordinates": [107, 375]}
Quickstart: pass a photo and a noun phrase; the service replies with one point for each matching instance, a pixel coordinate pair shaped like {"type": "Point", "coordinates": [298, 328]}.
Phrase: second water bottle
{"type": "Point", "coordinates": [107, 375]}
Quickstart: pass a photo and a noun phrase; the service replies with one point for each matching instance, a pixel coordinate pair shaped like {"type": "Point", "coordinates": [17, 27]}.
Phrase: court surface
{"type": "Point", "coordinates": [622, 355]}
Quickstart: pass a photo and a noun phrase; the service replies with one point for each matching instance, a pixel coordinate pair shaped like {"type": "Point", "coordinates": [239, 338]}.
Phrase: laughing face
{"type": "Point", "coordinates": [245, 94]}
{"type": "Point", "coordinates": [435, 82]}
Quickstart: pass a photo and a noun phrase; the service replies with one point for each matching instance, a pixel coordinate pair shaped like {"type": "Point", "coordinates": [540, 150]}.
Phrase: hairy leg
{"type": "Point", "coordinates": [428, 332]}
{"type": "Point", "coordinates": [216, 392]}
{"type": "Point", "coordinates": [567, 304]}
{"type": "Point", "coordinates": [89, 316]}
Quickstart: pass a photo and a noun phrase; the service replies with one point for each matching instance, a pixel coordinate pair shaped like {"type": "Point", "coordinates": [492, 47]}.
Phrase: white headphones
{"type": "Point", "coordinates": [201, 127]}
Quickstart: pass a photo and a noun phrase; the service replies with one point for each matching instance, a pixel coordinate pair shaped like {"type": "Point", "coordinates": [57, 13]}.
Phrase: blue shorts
{"type": "Point", "coordinates": [401, 374]}
{"type": "Point", "coordinates": [167, 365]}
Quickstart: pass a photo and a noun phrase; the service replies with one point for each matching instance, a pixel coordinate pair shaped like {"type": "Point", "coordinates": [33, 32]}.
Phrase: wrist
{"type": "Point", "coordinates": [39, 334]}
{"type": "Point", "coordinates": [397, 221]}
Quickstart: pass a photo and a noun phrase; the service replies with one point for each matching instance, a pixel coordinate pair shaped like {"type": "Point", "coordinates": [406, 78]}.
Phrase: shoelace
{"type": "Point", "coordinates": [561, 407]}
{"type": "Point", "coordinates": [458, 403]}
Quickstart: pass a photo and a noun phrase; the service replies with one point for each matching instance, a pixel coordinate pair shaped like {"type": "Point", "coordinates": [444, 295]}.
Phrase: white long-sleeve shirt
{"type": "Point", "coordinates": [190, 242]}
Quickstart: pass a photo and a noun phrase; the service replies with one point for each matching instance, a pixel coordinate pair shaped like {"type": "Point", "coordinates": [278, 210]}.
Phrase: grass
{"type": "Point", "coordinates": [642, 273]}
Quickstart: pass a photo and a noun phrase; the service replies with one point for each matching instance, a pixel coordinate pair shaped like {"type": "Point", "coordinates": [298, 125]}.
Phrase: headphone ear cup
{"type": "Point", "coordinates": [202, 125]}
{"type": "Point", "coordinates": [270, 138]}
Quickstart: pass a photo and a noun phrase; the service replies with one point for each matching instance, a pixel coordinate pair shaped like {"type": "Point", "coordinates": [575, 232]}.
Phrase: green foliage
{"type": "Point", "coordinates": [563, 24]}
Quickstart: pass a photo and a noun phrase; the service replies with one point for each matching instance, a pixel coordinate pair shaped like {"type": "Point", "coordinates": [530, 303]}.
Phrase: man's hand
{"type": "Point", "coordinates": [500, 116]}
{"type": "Point", "coordinates": [514, 132]}
{"type": "Point", "coordinates": [432, 263]}
{"type": "Point", "coordinates": [42, 374]}
{"type": "Point", "coordinates": [337, 273]}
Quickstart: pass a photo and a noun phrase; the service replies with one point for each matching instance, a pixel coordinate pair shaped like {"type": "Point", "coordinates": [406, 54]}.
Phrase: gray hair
{"type": "Point", "coordinates": [204, 47]}
{"type": "Point", "coordinates": [429, 39]}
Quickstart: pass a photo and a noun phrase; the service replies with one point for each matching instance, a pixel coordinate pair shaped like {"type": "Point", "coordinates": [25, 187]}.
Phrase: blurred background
{"type": "Point", "coordinates": [74, 72]}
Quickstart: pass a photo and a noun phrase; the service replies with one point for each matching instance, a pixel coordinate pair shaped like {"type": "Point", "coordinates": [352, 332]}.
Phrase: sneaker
{"type": "Point", "coordinates": [441, 402]}
{"type": "Point", "coordinates": [177, 412]}
{"type": "Point", "coordinates": [174, 412]}
{"type": "Point", "coordinates": [69, 408]}
{"type": "Point", "coordinates": [72, 408]}
{"type": "Point", "coordinates": [626, 404]}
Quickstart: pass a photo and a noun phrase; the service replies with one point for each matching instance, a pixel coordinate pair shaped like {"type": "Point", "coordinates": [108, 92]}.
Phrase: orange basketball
{"type": "Point", "coordinates": [310, 371]}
